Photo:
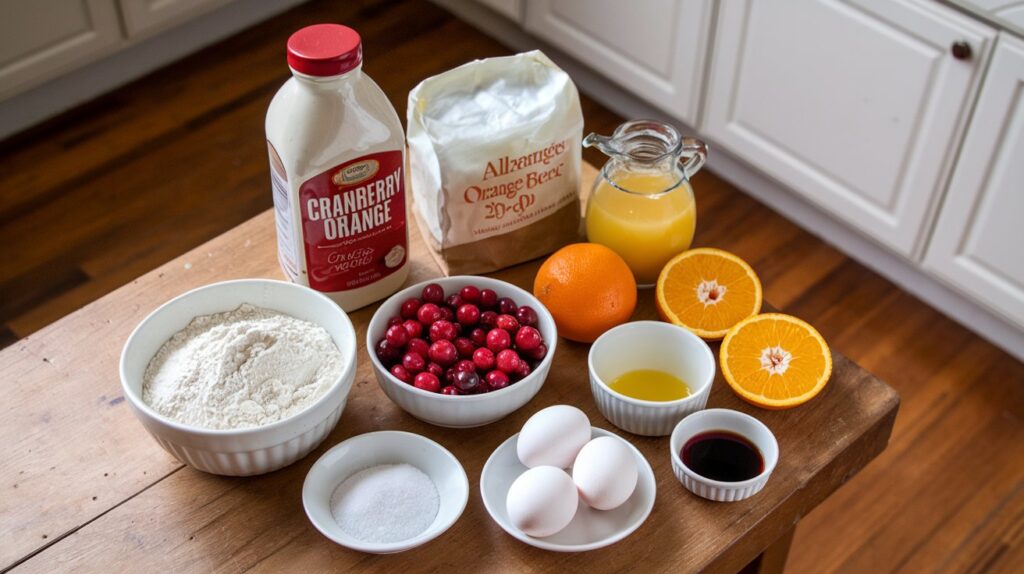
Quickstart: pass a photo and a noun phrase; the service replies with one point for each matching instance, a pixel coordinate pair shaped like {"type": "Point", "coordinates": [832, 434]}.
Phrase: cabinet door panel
{"type": "Point", "coordinates": [978, 242]}
{"type": "Point", "coordinates": [653, 48]}
{"type": "Point", "coordinates": [143, 17]}
{"type": "Point", "coordinates": [855, 105]}
{"type": "Point", "coordinates": [511, 9]}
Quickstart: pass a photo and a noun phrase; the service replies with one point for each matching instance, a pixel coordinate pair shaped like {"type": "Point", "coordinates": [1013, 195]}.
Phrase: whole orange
{"type": "Point", "coordinates": [588, 288]}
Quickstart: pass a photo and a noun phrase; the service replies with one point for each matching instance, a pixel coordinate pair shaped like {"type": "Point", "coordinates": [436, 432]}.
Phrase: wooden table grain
{"type": "Point", "coordinates": [86, 489]}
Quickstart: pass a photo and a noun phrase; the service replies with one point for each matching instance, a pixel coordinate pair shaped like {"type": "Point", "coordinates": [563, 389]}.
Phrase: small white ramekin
{"type": "Point", "coordinates": [649, 345]}
{"type": "Point", "coordinates": [723, 420]}
{"type": "Point", "coordinates": [462, 411]}
{"type": "Point", "coordinates": [249, 451]}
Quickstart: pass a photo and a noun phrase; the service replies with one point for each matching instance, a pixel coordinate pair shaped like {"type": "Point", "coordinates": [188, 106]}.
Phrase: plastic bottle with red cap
{"type": "Point", "coordinates": [337, 170]}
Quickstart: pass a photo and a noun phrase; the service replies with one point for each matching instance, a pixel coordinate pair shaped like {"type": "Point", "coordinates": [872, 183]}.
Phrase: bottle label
{"type": "Point", "coordinates": [353, 222]}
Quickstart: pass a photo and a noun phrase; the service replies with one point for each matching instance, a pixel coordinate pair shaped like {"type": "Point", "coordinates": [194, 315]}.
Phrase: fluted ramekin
{"type": "Point", "coordinates": [649, 345]}
{"type": "Point", "coordinates": [248, 451]}
{"type": "Point", "coordinates": [723, 420]}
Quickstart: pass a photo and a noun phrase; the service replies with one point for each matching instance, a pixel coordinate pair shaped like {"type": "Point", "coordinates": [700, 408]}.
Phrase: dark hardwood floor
{"type": "Point", "coordinates": [100, 195]}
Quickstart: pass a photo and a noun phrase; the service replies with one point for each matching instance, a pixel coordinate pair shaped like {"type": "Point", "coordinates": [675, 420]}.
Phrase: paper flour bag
{"type": "Point", "coordinates": [494, 161]}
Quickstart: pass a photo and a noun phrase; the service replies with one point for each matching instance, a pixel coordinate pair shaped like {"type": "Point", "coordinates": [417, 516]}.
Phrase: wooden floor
{"type": "Point", "coordinates": [104, 193]}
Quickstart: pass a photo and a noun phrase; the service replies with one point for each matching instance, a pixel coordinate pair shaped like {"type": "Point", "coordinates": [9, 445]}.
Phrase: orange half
{"type": "Point", "coordinates": [707, 291]}
{"type": "Point", "coordinates": [775, 361]}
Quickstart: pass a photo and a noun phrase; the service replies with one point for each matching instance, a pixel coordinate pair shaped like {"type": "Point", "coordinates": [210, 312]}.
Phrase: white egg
{"type": "Point", "coordinates": [542, 501]}
{"type": "Point", "coordinates": [553, 437]}
{"type": "Point", "coordinates": [605, 473]}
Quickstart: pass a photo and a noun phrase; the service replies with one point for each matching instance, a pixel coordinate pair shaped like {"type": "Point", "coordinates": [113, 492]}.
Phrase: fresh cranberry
{"type": "Point", "coordinates": [507, 306]}
{"type": "Point", "coordinates": [447, 314]}
{"type": "Point", "coordinates": [508, 323]}
{"type": "Point", "coordinates": [465, 347]}
{"type": "Point", "coordinates": [419, 346]}
{"type": "Point", "coordinates": [443, 352]}
{"type": "Point", "coordinates": [450, 390]}
{"type": "Point", "coordinates": [528, 339]}
{"type": "Point", "coordinates": [400, 373]}
{"type": "Point", "coordinates": [470, 294]}
{"type": "Point", "coordinates": [435, 369]}
{"type": "Point", "coordinates": [488, 298]}
{"type": "Point", "coordinates": [467, 382]}
{"type": "Point", "coordinates": [478, 336]}
{"type": "Point", "coordinates": [428, 313]}
{"type": "Point", "coordinates": [497, 380]}
{"type": "Point", "coordinates": [397, 336]}
{"type": "Point", "coordinates": [523, 368]}
{"type": "Point", "coordinates": [453, 301]}
{"type": "Point", "coordinates": [442, 330]}
{"type": "Point", "coordinates": [409, 308]}
{"type": "Point", "coordinates": [394, 321]}
{"type": "Point", "coordinates": [465, 365]}
{"type": "Point", "coordinates": [449, 375]}
{"type": "Point", "coordinates": [483, 358]}
{"type": "Point", "coordinates": [498, 340]}
{"type": "Point", "coordinates": [468, 314]}
{"type": "Point", "coordinates": [414, 362]}
{"type": "Point", "coordinates": [527, 316]}
{"type": "Point", "coordinates": [413, 328]}
{"type": "Point", "coordinates": [433, 293]}
{"type": "Point", "coordinates": [387, 353]}
{"type": "Point", "coordinates": [507, 361]}
{"type": "Point", "coordinates": [427, 382]}
{"type": "Point", "coordinates": [538, 353]}
{"type": "Point", "coordinates": [488, 319]}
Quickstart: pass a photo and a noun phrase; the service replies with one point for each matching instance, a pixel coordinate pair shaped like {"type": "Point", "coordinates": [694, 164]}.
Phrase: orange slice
{"type": "Point", "coordinates": [775, 361]}
{"type": "Point", "coordinates": [707, 291]}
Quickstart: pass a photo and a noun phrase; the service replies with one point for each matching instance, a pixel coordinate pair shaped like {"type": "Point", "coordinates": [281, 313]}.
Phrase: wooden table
{"type": "Point", "coordinates": [85, 487]}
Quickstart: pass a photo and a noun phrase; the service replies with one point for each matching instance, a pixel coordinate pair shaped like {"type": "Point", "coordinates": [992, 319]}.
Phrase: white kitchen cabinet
{"type": "Point", "coordinates": [143, 17]}
{"type": "Point", "coordinates": [855, 105]}
{"type": "Point", "coordinates": [511, 9]}
{"type": "Point", "coordinates": [654, 48]}
{"type": "Point", "coordinates": [978, 242]}
{"type": "Point", "coordinates": [41, 39]}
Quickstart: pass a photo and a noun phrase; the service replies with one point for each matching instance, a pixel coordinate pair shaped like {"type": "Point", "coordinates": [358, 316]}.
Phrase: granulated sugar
{"type": "Point", "coordinates": [243, 368]}
{"type": "Point", "coordinates": [386, 503]}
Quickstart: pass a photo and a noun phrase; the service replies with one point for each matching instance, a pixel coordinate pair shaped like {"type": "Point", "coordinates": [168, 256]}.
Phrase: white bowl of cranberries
{"type": "Point", "coordinates": [461, 351]}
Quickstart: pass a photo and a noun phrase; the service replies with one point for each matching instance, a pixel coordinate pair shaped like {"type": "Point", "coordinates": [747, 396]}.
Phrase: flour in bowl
{"type": "Point", "coordinates": [238, 369]}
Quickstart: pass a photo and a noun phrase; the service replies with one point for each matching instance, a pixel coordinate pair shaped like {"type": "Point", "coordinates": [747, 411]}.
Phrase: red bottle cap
{"type": "Point", "coordinates": [324, 50]}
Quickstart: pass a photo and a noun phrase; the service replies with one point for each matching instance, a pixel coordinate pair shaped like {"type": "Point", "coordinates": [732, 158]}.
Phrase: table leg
{"type": "Point", "coordinates": [773, 559]}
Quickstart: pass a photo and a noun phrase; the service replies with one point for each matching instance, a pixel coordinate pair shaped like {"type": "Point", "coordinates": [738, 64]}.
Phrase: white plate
{"type": "Point", "coordinates": [590, 529]}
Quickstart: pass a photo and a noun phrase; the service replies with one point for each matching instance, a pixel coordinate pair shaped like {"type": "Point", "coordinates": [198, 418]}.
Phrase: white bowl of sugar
{"type": "Point", "coordinates": [385, 492]}
{"type": "Point", "coordinates": [261, 324]}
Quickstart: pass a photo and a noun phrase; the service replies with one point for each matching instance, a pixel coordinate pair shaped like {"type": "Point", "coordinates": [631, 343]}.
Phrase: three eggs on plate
{"type": "Point", "coordinates": [544, 499]}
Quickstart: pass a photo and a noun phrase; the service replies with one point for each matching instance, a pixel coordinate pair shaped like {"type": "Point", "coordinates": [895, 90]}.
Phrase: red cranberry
{"type": "Point", "coordinates": [397, 336]}
{"type": "Point", "coordinates": [498, 340]}
{"type": "Point", "coordinates": [449, 375]}
{"type": "Point", "coordinates": [427, 382]}
{"type": "Point", "coordinates": [428, 313]}
{"type": "Point", "coordinates": [414, 362]}
{"type": "Point", "coordinates": [523, 368]}
{"type": "Point", "coordinates": [538, 353]}
{"type": "Point", "coordinates": [507, 322]}
{"type": "Point", "coordinates": [468, 314]}
{"type": "Point", "coordinates": [419, 346]}
{"type": "Point", "coordinates": [387, 353]}
{"type": "Point", "coordinates": [409, 308]}
{"type": "Point", "coordinates": [528, 339]}
{"type": "Point", "coordinates": [508, 361]}
{"type": "Point", "coordinates": [400, 373]}
{"type": "Point", "coordinates": [483, 358]}
{"type": "Point", "coordinates": [435, 369]}
{"type": "Point", "coordinates": [465, 365]}
{"type": "Point", "coordinates": [433, 293]}
{"type": "Point", "coordinates": [394, 321]}
{"type": "Point", "coordinates": [506, 306]}
{"type": "Point", "coordinates": [470, 294]}
{"type": "Point", "coordinates": [447, 314]}
{"type": "Point", "coordinates": [443, 352]}
{"type": "Point", "coordinates": [465, 347]}
{"type": "Point", "coordinates": [413, 328]}
{"type": "Point", "coordinates": [497, 380]}
{"type": "Point", "coordinates": [488, 318]}
{"type": "Point", "coordinates": [466, 382]}
{"type": "Point", "coordinates": [478, 336]}
{"type": "Point", "coordinates": [488, 298]}
{"type": "Point", "coordinates": [442, 330]}
{"type": "Point", "coordinates": [454, 301]}
{"type": "Point", "coordinates": [450, 390]}
{"type": "Point", "coordinates": [527, 316]}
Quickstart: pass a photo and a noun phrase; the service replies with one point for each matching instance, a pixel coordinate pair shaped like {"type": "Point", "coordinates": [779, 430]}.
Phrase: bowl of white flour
{"type": "Point", "coordinates": [241, 377]}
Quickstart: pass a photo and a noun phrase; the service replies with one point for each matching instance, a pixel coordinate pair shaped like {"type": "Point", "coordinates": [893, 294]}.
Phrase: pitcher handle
{"type": "Point", "coordinates": [694, 154]}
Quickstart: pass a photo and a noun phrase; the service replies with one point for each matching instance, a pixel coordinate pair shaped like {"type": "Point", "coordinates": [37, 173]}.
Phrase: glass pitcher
{"type": "Point", "coordinates": [642, 205]}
